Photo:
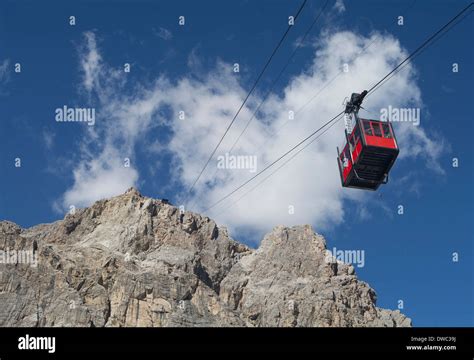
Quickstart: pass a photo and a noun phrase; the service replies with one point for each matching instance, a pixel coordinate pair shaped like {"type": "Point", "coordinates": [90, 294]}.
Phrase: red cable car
{"type": "Point", "coordinates": [370, 151]}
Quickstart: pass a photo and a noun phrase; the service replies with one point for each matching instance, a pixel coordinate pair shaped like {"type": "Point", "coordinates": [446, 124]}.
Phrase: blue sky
{"type": "Point", "coordinates": [408, 257]}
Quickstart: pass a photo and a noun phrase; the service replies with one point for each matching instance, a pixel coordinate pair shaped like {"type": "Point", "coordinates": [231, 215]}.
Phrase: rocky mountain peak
{"type": "Point", "coordinates": [132, 260]}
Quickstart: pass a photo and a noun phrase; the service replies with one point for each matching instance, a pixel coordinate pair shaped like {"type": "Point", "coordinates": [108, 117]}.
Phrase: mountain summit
{"type": "Point", "coordinates": [137, 261]}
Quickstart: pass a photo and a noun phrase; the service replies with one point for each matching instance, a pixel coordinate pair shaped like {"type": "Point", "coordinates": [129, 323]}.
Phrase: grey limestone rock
{"type": "Point", "coordinates": [137, 261]}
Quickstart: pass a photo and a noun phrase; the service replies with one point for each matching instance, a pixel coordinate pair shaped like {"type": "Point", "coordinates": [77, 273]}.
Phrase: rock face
{"type": "Point", "coordinates": [137, 261]}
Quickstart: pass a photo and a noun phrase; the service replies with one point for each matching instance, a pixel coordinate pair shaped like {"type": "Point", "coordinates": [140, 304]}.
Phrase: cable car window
{"type": "Point", "coordinates": [346, 153]}
{"type": "Point", "coordinates": [343, 153]}
{"type": "Point", "coordinates": [356, 134]}
{"type": "Point", "coordinates": [386, 131]}
{"type": "Point", "coordinates": [367, 128]}
{"type": "Point", "coordinates": [377, 131]}
{"type": "Point", "coordinates": [351, 140]}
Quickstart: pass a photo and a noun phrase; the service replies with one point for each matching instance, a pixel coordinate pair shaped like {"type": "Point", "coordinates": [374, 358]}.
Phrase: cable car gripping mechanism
{"type": "Point", "coordinates": [353, 106]}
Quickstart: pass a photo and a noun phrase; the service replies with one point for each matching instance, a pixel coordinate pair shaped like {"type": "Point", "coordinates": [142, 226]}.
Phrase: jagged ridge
{"type": "Point", "coordinates": [136, 261]}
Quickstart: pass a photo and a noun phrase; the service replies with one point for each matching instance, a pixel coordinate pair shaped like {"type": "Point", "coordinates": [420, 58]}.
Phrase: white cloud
{"type": "Point", "coordinates": [4, 76]}
{"type": "Point", "coordinates": [163, 33]}
{"type": "Point", "coordinates": [48, 138]}
{"type": "Point", "coordinates": [91, 63]}
{"type": "Point", "coordinates": [121, 119]}
{"type": "Point", "coordinates": [99, 178]}
{"type": "Point", "coordinates": [339, 6]}
{"type": "Point", "coordinates": [310, 183]}
{"type": "Point", "coordinates": [4, 70]}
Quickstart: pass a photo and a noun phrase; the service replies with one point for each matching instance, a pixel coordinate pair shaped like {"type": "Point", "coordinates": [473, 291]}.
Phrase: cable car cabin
{"type": "Point", "coordinates": [370, 151]}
